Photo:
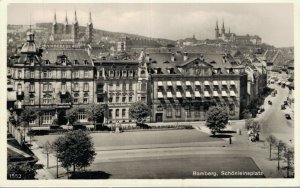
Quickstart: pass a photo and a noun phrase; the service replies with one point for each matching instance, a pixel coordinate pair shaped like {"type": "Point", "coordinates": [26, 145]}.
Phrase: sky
{"type": "Point", "coordinates": [274, 23]}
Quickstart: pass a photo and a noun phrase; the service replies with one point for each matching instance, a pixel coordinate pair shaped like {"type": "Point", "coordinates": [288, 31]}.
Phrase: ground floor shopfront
{"type": "Point", "coordinates": [191, 110]}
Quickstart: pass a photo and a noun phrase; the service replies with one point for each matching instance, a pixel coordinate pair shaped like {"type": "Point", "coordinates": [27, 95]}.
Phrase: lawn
{"type": "Point", "coordinates": [141, 138]}
{"type": "Point", "coordinates": [178, 168]}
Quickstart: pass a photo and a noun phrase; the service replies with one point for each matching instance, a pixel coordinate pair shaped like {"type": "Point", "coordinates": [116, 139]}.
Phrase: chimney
{"type": "Point", "coordinates": [185, 56]}
{"type": "Point", "coordinates": [173, 57]}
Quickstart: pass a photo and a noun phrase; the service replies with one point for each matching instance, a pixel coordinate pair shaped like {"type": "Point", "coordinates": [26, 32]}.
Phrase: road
{"type": "Point", "coordinates": [273, 120]}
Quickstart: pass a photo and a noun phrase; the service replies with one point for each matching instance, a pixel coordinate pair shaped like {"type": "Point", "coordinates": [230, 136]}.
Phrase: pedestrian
{"type": "Point", "coordinates": [230, 140]}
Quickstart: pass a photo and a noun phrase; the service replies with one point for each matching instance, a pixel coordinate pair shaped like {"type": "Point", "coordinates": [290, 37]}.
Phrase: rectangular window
{"type": "Point", "coordinates": [178, 111]}
{"type": "Point", "coordinates": [47, 118]}
{"type": "Point", "coordinates": [169, 111]}
{"type": "Point", "coordinates": [31, 101]}
{"type": "Point", "coordinates": [86, 74]}
{"type": "Point", "coordinates": [110, 99]}
{"type": "Point", "coordinates": [117, 99]}
{"type": "Point", "coordinates": [19, 73]}
{"type": "Point", "coordinates": [76, 74]}
{"type": "Point", "coordinates": [130, 86]}
{"type": "Point", "coordinates": [32, 74]}
{"type": "Point", "coordinates": [82, 116]}
{"type": "Point", "coordinates": [110, 86]}
{"type": "Point", "coordinates": [86, 87]}
{"type": "Point", "coordinates": [124, 86]}
{"type": "Point", "coordinates": [123, 112]}
{"type": "Point", "coordinates": [75, 100]}
{"type": "Point", "coordinates": [130, 99]}
{"type": "Point", "coordinates": [49, 87]}
{"type": "Point", "coordinates": [64, 74]}
{"type": "Point", "coordinates": [47, 100]}
{"type": "Point", "coordinates": [45, 87]}
{"type": "Point", "coordinates": [63, 87]}
{"type": "Point", "coordinates": [117, 86]}
{"type": "Point", "coordinates": [31, 87]}
{"type": "Point", "coordinates": [117, 112]}
{"type": "Point", "coordinates": [85, 100]}
{"type": "Point", "coordinates": [123, 99]}
{"type": "Point", "coordinates": [110, 113]}
{"type": "Point", "coordinates": [76, 87]}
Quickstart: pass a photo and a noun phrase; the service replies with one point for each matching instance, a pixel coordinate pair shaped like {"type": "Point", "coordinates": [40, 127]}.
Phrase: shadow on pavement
{"type": "Point", "coordinates": [90, 175]}
{"type": "Point", "coordinates": [227, 131]}
{"type": "Point", "coordinates": [221, 136]}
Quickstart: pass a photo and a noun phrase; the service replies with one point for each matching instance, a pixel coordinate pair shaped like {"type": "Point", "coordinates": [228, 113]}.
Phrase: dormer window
{"type": "Point", "coordinates": [47, 62]}
{"type": "Point", "coordinates": [86, 62]}
{"type": "Point", "coordinates": [63, 62]}
{"type": "Point", "coordinates": [76, 62]}
{"type": "Point", "coordinates": [31, 62]}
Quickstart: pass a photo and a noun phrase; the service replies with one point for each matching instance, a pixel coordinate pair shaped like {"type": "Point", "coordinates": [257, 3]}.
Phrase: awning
{"type": "Point", "coordinates": [232, 82]}
{"type": "Point", "coordinates": [224, 82]}
{"type": "Point", "coordinates": [206, 83]}
{"type": "Point", "coordinates": [224, 94]}
{"type": "Point", "coordinates": [232, 94]}
{"type": "Point", "coordinates": [215, 83]}
{"type": "Point", "coordinates": [160, 95]}
{"type": "Point", "coordinates": [197, 83]}
{"type": "Point", "coordinates": [159, 83]}
{"type": "Point", "coordinates": [188, 94]}
{"type": "Point", "coordinates": [11, 96]}
{"type": "Point", "coordinates": [206, 94]}
{"type": "Point", "coordinates": [197, 94]}
{"type": "Point", "coordinates": [178, 94]}
{"type": "Point", "coordinates": [169, 94]}
{"type": "Point", "coordinates": [188, 83]}
{"type": "Point", "coordinates": [215, 93]}
{"type": "Point", "coordinates": [178, 83]}
{"type": "Point", "coordinates": [169, 83]}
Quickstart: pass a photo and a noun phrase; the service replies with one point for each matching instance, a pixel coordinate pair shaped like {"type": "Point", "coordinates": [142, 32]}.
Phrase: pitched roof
{"type": "Point", "coordinates": [216, 60]}
{"type": "Point", "coordinates": [72, 54]}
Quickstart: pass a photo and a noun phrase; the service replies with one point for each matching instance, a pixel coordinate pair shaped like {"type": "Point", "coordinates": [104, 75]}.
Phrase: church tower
{"type": "Point", "coordinates": [75, 29]}
{"type": "Point", "coordinates": [66, 25]}
{"type": "Point", "coordinates": [217, 34]}
{"type": "Point", "coordinates": [89, 30]}
{"type": "Point", "coordinates": [54, 25]}
{"type": "Point", "coordinates": [223, 29]}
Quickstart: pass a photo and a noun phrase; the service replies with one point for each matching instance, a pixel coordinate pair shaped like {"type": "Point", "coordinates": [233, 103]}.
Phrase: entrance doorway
{"type": "Point", "coordinates": [159, 117]}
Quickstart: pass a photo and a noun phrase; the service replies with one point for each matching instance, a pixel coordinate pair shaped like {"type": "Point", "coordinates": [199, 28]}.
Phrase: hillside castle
{"type": "Point", "coordinates": [232, 37]}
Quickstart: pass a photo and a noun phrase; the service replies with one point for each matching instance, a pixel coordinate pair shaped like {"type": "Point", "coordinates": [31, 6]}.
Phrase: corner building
{"type": "Point", "coordinates": [52, 81]}
{"type": "Point", "coordinates": [184, 86]}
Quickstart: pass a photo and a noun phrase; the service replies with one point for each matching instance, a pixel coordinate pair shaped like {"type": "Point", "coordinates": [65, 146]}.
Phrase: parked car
{"type": "Point", "coordinates": [270, 102]}
{"type": "Point", "coordinates": [285, 102]}
{"type": "Point", "coordinates": [287, 116]}
{"type": "Point", "coordinates": [282, 107]}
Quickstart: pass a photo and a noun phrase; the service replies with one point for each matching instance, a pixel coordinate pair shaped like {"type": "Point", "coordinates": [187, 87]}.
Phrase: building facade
{"type": "Point", "coordinates": [184, 86]}
{"type": "Point", "coordinates": [51, 81]}
{"type": "Point", "coordinates": [119, 83]}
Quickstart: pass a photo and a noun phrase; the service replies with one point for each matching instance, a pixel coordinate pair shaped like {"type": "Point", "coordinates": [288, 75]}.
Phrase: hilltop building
{"type": "Point", "coordinates": [66, 35]}
{"type": "Point", "coordinates": [233, 37]}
